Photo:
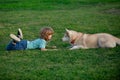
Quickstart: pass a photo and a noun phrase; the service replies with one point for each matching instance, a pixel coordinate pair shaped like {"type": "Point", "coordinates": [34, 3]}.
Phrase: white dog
{"type": "Point", "coordinates": [80, 40]}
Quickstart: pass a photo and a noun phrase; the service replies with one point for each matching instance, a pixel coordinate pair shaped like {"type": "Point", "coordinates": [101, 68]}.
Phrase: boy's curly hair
{"type": "Point", "coordinates": [45, 32]}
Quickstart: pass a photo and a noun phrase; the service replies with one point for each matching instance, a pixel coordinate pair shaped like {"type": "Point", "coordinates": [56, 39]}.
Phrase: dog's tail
{"type": "Point", "coordinates": [117, 40]}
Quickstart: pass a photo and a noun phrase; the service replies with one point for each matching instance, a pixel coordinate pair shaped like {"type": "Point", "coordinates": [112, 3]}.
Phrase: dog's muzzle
{"type": "Point", "coordinates": [65, 39]}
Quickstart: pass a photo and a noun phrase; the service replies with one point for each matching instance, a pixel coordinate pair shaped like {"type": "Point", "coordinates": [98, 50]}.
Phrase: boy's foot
{"type": "Point", "coordinates": [19, 34]}
{"type": "Point", "coordinates": [15, 38]}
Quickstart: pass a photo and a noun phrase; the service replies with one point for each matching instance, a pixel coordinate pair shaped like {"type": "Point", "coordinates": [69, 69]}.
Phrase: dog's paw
{"type": "Point", "coordinates": [75, 47]}
{"type": "Point", "coordinates": [71, 48]}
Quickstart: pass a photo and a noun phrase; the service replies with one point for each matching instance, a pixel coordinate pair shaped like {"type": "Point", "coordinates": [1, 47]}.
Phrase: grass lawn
{"type": "Point", "coordinates": [87, 16]}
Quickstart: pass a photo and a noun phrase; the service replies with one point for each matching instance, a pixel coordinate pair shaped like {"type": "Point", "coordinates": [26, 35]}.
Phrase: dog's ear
{"type": "Point", "coordinates": [67, 30]}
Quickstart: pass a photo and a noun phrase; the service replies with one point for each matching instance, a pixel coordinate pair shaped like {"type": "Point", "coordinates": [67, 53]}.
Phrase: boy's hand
{"type": "Point", "coordinates": [51, 47]}
{"type": "Point", "coordinates": [54, 47]}
{"type": "Point", "coordinates": [43, 49]}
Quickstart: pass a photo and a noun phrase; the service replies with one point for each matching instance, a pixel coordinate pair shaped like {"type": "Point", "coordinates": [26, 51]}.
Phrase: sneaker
{"type": "Point", "coordinates": [15, 38]}
{"type": "Point", "coordinates": [19, 34]}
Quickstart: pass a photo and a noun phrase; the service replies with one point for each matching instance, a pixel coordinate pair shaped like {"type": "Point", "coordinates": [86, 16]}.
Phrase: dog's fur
{"type": "Point", "coordinates": [80, 40]}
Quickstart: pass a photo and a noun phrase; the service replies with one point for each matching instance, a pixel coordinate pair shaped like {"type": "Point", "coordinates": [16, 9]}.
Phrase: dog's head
{"type": "Point", "coordinates": [69, 35]}
{"type": "Point", "coordinates": [66, 36]}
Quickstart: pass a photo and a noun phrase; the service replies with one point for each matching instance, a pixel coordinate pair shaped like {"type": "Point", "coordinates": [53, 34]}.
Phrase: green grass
{"type": "Point", "coordinates": [88, 16]}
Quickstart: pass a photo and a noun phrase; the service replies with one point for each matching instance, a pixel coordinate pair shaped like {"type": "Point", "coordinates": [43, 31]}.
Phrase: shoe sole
{"type": "Point", "coordinates": [21, 35]}
{"type": "Point", "coordinates": [14, 37]}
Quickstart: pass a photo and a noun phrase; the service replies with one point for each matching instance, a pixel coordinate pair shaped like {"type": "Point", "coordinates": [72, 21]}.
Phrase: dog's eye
{"type": "Point", "coordinates": [67, 34]}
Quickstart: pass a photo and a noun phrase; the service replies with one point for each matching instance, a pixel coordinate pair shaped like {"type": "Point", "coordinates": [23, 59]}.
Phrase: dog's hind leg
{"type": "Point", "coordinates": [106, 43]}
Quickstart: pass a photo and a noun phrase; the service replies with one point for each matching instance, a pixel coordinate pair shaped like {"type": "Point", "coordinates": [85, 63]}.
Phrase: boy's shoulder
{"type": "Point", "coordinates": [40, 39]}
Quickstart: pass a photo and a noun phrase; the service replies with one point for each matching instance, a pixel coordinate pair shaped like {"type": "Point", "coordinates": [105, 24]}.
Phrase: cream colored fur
{"type": "Point", "coordinates": [80, 40]}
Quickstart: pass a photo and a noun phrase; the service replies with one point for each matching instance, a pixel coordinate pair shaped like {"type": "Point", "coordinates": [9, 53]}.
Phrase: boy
{"type": "Point", "coordinates": [40, 43]}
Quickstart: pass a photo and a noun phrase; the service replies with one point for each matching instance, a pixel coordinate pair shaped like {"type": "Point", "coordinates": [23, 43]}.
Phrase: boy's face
{"type": "Point", "coordinates": [49, 37]}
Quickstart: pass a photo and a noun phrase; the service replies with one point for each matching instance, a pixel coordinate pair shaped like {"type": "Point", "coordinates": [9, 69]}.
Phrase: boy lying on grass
{"type": "Point", "coordinates": [18, 44]}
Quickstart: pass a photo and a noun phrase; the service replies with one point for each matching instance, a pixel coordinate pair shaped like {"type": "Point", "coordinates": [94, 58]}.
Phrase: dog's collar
{"type": "Point", "coordinates": [73, 41]}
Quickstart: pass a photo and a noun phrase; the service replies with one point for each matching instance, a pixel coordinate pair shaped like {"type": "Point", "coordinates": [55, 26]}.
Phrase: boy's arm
{"type": "Point", "coordinates": [51, 47]}
{"type": "Point", "coordinates": [43, 49]}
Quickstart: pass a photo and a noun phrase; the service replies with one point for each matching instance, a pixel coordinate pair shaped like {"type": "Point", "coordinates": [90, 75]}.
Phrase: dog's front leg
{"type": "Point", "coordinates": [78, 47]}
{"type": "Point", "coordinates": [75, 47]}
{"type": "Point", "coordinates": [70, 46]}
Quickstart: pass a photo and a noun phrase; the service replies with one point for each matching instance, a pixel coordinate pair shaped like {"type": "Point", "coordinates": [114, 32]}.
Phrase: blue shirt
{"type": "Point", "coordinates": [37, 43]}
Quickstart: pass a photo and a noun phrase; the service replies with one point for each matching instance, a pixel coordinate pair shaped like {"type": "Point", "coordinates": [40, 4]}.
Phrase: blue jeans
{"type": "Point", "coordinates": [22, 45]}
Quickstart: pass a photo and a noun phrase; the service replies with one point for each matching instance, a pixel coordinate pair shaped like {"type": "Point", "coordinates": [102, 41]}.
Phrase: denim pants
{"type": "Point", "coordinates": [22, 45]}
